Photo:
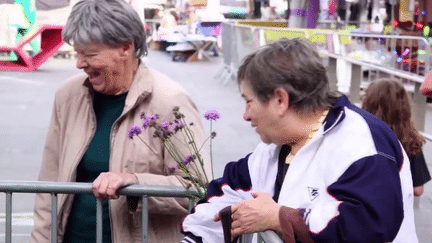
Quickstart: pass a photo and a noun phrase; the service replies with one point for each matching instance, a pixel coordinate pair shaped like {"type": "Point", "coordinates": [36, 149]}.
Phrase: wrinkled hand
{"type": "Point", "coordinates": [254, 215]}
{"type": "Point", "coordinates": [106, 184]}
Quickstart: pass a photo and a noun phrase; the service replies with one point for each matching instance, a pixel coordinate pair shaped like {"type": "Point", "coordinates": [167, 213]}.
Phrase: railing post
{"type": "Point", "coordinates": [8, 236]}
{"type": "Point", "coordinates": [191, 204]}
{"type": "Point", "coordinates": [98, 220]}
{"type": "Point", "coordinates": [419, 108]}
{"type": "Point", "coordinates": [53, 188]}
{"type": "Point", "coordinates": [144, 212]}
{"type": "Point", "coordinates": [53, 217]}
{"type": "Point", "coordinates": [332, 73]}
{"type": "Point", "coordinates": [354, 91]}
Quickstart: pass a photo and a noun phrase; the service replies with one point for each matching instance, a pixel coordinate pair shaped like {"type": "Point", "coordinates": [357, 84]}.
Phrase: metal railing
{"type": "Point", "coordinates": [405, 53]}
{"type": "Point", "coordinates": [55, 188]}
{"type": "Point", "coordinates": [353, 60]}
{"type": "Point", "coordinates": [238, 41]}
{"type": "Point", "coordinates": [338, 48]}
{"type": "Point", "coordinates": [268, 236]}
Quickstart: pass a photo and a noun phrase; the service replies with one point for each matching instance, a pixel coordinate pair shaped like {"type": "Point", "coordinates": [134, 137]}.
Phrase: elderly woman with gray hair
{"type": "Point", "coordinates": [88, 141]}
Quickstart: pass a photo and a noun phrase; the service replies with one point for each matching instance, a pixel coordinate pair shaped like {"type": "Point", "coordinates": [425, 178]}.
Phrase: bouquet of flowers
{"type": "Point", "coordinates": [191, 164]}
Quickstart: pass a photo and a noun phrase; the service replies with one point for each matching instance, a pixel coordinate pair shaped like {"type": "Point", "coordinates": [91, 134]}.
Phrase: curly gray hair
{"type": "Point", "coordinates": [294, 65]}
{"type": "Point", "coordinates": [111, 22]}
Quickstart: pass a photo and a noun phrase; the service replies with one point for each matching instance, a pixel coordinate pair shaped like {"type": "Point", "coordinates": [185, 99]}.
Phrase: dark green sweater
{"type": "Point", "coordinates": [81, 225]}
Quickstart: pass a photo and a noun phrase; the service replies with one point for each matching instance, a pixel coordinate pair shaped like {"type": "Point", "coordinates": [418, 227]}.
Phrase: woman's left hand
{"type": "Point", "coordinates": [107, 183]}
{"type": "Point", "coordinates": [254, 215]}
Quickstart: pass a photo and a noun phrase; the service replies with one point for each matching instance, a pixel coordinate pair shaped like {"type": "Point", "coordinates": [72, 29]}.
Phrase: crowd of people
{"type": "Point", "coordinates": [326, 170]}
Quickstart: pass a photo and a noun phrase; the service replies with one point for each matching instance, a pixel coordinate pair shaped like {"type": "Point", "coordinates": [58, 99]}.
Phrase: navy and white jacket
{"type": "Point", "coordinates": [352, 182]}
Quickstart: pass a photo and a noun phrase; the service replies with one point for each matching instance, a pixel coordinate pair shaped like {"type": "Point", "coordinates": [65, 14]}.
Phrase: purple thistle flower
{"type": "Point", "coordinates": [142, 114]}
{"type": "Point", "coordinates": [134, 130]}
{"type": "Point", "coordinates": [212, 115]}
{"type": "Point", "coordinates": [152, 117]}
{"type": "Point", "coordinates": [147, 120]}
{"type": "Point", "coordinates": [171, 169]}
{"type": "Point", "coordinates": [146, 123]}
{"type": "Point", "coordinates": [165, 125]}
{"type": "Point", "coordinates": [178, 125]}
{"type": "Point", "coordinates": [188, 159]}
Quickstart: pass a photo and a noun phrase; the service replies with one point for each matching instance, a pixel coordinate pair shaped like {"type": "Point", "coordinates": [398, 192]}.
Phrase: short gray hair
{"type": "Point", "coordinates": [111, 22]}
{"type": "Point", "coordinates": [294, 65]}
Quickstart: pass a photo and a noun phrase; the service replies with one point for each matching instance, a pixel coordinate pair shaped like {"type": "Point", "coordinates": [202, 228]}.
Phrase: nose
{"type": "Point", "coordinates": [81, 63]}
{"type": "Point", "coordinates": [246, 116]}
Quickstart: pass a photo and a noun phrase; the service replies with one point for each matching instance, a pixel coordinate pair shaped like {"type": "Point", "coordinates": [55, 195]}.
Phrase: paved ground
{"type": "Point", "coordinates": [25, 107]}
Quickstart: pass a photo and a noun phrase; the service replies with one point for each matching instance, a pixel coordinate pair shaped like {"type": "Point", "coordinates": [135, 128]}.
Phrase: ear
{"type": "Point", "coordinates": [281, 100]}
{"type": "Point", "coordinates": [128, 49]}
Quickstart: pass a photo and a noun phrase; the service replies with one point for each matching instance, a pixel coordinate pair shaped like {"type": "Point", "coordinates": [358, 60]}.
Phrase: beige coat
{"type": "Point", "coordinates": [70, 132]}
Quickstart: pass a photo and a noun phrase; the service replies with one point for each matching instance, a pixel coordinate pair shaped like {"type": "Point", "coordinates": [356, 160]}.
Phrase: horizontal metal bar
{"type": "Point", "coordinates": [270, 237]}
{"type": "Point", "coordinates": [86, 188]}
{"type": "Point", "coordinates": [426, 136]}
{"type": "Point", "coordinates": [395, 72]}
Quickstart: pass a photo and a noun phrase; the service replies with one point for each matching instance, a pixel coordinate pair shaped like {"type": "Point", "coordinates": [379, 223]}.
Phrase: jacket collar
{"type": "Point", "coordinates": [336, 114]}
{"type": "Point", "coordinates": [141, 87]}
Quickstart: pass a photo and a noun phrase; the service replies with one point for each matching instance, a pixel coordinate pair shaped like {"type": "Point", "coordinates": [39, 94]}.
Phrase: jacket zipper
{"type": "Point", "coordinates": [110, 152]}
{"type": "Point", "coordinates": [84, 148]}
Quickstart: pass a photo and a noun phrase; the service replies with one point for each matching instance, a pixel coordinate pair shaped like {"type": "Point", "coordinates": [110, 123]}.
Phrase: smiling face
{"type": "Point", "coordinates": [262, 116]}
{"type": "Point", "coordinates": [105, 66]}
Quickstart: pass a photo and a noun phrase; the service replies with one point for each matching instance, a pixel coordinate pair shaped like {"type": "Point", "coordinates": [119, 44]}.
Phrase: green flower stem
{"type": "Point", "coordinates": [172, 150]}
{"type": "Point", "coordinates": [175, 153]}
{"type": "Point", "coordinates": [149, 147]}
{"type": "Point", "coordinates": [211, 153]}
{"type": "Point", "coordinates": [178, 157]}
{"type": "Point", "coordinates": [205, 141]}
{"type": "Point", "coordinates": [190, 143]}
{"type": "Point", "coordinates": [190, 136]}
{"type": "Point", "coordinates": [184, 144]}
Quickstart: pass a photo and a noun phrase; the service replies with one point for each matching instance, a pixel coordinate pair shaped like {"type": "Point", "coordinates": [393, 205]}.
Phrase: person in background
{"type": "Point", "coordinates": [426, 87]}
{"type": "Point", "coordinates": [269, 12]}
{"type": "Point", "coordinates": [327, 171]}
{"type": "Point", "coordinates": [88, 138]}
{"type": "Point", "coordinates": [167, 24]}
{"type": "Point", "coordinates": [388, 100]}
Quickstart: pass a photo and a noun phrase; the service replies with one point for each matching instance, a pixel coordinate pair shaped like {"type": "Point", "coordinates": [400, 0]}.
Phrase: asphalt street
{"type": "Point", "coordinates": [25, 107]}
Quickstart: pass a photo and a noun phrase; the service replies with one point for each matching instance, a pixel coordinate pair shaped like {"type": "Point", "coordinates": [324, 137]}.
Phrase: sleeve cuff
{"type": "Point", "coordinates": [293, 226]}
{"type": "Point", "coordinates": [191, 238]}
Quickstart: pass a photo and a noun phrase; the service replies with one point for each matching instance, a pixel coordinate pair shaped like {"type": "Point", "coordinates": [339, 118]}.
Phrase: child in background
{"type": "Point", "coordinates": [388, 100]}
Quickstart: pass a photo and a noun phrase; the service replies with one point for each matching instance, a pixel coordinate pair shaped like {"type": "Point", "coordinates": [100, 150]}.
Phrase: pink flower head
{"type": "Point", "coordinates": [212, 115]}
{"type": "Point", "coordinates": [134, 130]}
